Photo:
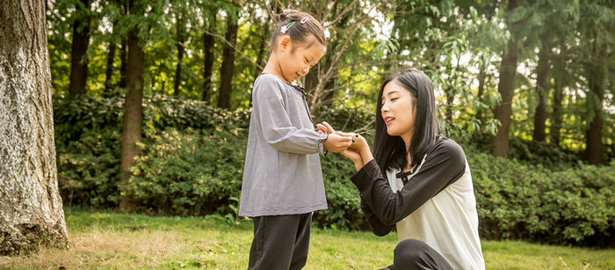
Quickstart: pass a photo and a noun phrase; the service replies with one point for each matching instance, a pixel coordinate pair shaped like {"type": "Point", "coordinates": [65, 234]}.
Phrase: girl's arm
{"type": "Point", "coordinates": [442, 167]}
{"type": "Point", "coordinates": [275, 124]}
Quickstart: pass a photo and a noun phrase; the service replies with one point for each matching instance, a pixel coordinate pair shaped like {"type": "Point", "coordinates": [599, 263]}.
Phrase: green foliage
{"type": "Point", "coordinates": [193, 155]}
{"type": "Point", "coordinates": [189, 173]}
{"type": "Point", "coordinates": [517, 201]}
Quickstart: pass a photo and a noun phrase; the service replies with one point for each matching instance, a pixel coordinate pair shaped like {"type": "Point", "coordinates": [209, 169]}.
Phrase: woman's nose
{"type": "Point", "coordinates": [385, 107]}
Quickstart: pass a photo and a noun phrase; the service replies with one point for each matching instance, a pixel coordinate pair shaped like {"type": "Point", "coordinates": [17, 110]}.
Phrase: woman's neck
{"type": "Point", "coordinates": [408, 141]}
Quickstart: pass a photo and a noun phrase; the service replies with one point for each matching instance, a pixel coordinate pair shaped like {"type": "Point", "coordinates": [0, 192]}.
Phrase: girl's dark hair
{"type": "Point", "coordinates": [390, 151]}
{"type": "Point", "coordinates": [298, 32]}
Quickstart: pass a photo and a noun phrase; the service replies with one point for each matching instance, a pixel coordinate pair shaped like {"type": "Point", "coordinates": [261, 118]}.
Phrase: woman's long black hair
{"type": "Point", "coordinates": [390, 151]}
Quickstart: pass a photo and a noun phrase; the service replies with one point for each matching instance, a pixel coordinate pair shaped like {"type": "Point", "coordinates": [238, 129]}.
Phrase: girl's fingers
{"type": "Point", "coordinates": [331, 130]}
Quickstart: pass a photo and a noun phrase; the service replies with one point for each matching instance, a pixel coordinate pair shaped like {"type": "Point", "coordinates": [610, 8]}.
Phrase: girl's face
{"type": "Point", "coordinates": [295, 60]}
{"type": "Point", "coordinates": [398, 111]}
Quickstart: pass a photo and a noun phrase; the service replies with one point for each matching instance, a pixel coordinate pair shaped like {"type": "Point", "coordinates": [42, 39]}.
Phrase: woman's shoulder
{"type": "Point", "coordinates": [446, 147]}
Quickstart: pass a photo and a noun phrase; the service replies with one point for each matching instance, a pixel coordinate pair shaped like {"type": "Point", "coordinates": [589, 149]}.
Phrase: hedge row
{"type": "Point", "coordinates": [192, 160]}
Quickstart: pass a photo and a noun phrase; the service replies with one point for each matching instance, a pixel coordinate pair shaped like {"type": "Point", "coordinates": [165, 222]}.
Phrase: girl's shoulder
{"type": "Point", "coordinates": [268, 79]}
{"type": "Point", "coordinates": [267, 84]}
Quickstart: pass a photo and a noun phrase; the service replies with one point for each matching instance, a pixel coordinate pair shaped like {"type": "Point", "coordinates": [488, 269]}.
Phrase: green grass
{"type": "Point", "coordinates": [100, 240]}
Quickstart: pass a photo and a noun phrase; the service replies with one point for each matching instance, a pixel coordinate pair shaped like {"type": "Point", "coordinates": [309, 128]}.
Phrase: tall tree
{"type": "Point", "coordinates": [228, 60]}
{"type": "Point", "coordinates": [508, 70]}
{"type": "Point", "coordinates": [133, 105]}
{"type": "Point", "coordinates": [208, 47]}
{"type": "Point", "coordinates": [180, 28]}
{"type": "Point", "coordinates": [31, 212]}
{"type": "Point", "coordinates": [540, 116]}
{"type": "Point", "coordinates": [81, 39]}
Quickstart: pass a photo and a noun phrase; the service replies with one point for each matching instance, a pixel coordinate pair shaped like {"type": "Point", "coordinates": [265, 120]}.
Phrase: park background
{"type": "Point", "coordinates": [151, 104]}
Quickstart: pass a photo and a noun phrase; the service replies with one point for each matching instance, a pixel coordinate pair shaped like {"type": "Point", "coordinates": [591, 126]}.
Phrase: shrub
{"type": "Point", "coordinates": [188, 172]}
{"type": "Point", "coordinates": [193, 155]}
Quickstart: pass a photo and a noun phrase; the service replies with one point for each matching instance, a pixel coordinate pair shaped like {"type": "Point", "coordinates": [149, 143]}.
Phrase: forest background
{"type": "Point", "coordinates": [152, 99]}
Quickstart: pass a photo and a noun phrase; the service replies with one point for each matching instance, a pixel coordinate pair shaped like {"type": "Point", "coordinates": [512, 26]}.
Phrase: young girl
{"type": "Point", "coordinates": [419, 180]}
{"type": "Point", "coordinates": [282, 180]}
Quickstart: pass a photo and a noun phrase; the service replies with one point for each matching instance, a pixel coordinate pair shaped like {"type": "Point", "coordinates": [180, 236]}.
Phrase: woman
{"type": "Point", "coordinates": [417, 179]}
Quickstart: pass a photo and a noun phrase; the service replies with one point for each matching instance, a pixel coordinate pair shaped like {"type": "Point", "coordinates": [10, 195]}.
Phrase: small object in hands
{"type": "Point", "coordinates": [353, 140]}
{"type": "Point", "coordinates": [356, 135]}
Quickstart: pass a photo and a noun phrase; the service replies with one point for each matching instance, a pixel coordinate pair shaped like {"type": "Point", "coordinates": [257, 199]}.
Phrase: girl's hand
{"type": "Point", "coordinates": [337, 142]}
{"type": "Point", "coordinates": [325, 127]}
{"type": "Point", "coordinates": [355, 157]}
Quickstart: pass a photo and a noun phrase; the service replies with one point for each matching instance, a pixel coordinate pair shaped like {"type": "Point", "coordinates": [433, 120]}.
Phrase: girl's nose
{"type": "Point", "coordinates": [306, 70]}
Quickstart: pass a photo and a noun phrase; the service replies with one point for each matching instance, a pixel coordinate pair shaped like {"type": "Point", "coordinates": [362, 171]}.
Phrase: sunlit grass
{"type": "Point", "coordinates": [120, 241]}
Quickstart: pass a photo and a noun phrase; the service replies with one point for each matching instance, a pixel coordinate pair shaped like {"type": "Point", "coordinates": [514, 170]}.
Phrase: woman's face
{"type": "Point", "coordinates": [398, 111]}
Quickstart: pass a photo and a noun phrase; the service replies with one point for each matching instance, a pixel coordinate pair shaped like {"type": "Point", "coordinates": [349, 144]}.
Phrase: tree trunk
{"type": "Point", "coordinates": [180, 53]}
{"type": "Point", "coordinates": [540, 117]}
{"type": "Point", "coordinates": [124, 64]}
{"type": "Point", "coordinates": [208, 47]}
{"type": "Point", "coordinates": [228, 61]}
{"type": "Point", "coordinates": [133, 113]}
{"type": "Point", "coordinates": [481, 86]}
{"type": "Point", "coordinates": [593, 152]}
{"type": "Point", "coordinates": [31, 212]}
{"type": "Point", "coordinates": [556, 116]}
{"type": "Point", "coordinates": [81, 39]}
{"type": "Point", "coordinates": [109, 69]}
{"type": "Point", "coordinates": [503, 110]}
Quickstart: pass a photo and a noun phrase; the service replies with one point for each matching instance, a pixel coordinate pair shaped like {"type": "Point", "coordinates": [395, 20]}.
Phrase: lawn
{"type": "Point", "coordinates": [102, 240]}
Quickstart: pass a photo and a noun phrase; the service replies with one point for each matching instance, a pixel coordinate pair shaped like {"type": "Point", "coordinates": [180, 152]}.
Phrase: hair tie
{"type": "Point", "coordinates": [285, 12]}
{"type": "Point", "coordinates": [304, 20]}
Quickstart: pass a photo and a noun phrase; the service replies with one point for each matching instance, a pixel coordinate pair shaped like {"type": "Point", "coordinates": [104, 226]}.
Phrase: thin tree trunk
{"type": "Point", "coordinates": [481, 85]}
{"type": "Point", "coordinates": [31, 213]}
{"type": "Point", "coordinates": [228, 62]}
{"type": "Point", "coordinates": [556, 116]}
{"type": "Point", "coordinates": [109, 69]}
{"type": "Point", "coordinates": [124, 64]}
{"type": "Point", "coordinates": [79, 63]}
{"type": "Point", "coordinates": [208, 47]}
{"type": "Point", "coordinates": [180, 53]}
{"type": "Point", "coordinates": [540, 117]}
{"type": "Point", "coordinates": [133, 112]}
{"type": "Point", "coordinates": [503, 110]}
{"type": "Point", "coordinates": [593, 152]}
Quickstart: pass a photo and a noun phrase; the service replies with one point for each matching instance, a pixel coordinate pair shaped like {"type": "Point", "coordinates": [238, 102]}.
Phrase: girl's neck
{"type": "Point", "coordinates": [273, 67]}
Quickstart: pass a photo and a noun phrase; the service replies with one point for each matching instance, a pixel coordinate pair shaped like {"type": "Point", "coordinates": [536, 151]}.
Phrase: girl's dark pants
{"type": "Point", "coordinates": [280, 242]}
{"type": "Point", "coordinates": [411, 254]}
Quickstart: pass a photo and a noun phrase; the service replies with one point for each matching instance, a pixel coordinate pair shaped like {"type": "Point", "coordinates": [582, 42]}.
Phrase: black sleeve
{"type": "Point", "coordinates": [442, 167]}
{"type": "Point", "coordinates": [375, 224]}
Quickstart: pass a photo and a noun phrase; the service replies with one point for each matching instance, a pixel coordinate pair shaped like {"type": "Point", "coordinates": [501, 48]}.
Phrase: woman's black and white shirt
{"type": "Point", "coordinates": [435, 204]}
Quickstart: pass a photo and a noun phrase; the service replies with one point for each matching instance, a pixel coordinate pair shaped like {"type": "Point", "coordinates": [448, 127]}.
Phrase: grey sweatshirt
{"type": "Point", "coordinates": [282, 173]}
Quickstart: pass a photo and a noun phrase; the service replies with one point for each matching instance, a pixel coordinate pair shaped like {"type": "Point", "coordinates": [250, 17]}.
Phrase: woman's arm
{"type": "Point", "coordinates": [442, 167]}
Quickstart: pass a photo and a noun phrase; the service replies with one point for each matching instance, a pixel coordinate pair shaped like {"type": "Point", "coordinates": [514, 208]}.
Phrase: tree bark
{"type": "Point", "coordinates": [31, 212]}
{"type": "Point", "coordinates": [208, 47]}
{"type": "Point", "coordinates": [180, 53]}
{"type": "Point", "coordinates": [79, 60]}
{"type": "Point", "coordinates": [109, 69]}
{"type": "Point", "coordinates": [133, 112]}
{"type": "Point", "coordinates": [540, 116]}
{"type": "Point", "coordinates": [593, 152]}
{"type": "Point", "coordinates": [228, 61]}
{"type": "Point", "coordinates": [503, 110]}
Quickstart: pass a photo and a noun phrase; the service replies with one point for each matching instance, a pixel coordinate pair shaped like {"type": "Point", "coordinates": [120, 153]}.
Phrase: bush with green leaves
{"type": "Point", "coordinates": [518, 201]}
{"type": "Point", "coordinates": [192, 164]}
